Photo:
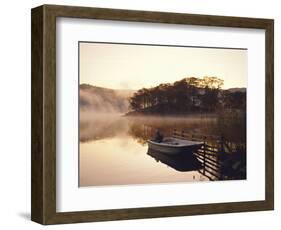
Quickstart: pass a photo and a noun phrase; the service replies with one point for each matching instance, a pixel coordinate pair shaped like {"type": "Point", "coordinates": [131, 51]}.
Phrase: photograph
{"type": "Point", "coordinates": [158, 114]}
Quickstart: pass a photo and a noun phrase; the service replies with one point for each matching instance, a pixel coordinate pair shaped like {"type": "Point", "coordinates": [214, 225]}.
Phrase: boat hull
{"type": "Point", "coordinates": [170, 149]}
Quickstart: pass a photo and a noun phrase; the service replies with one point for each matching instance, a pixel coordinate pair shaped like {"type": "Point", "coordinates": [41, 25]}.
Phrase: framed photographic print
{"type": "Point", "coordinates": [140, 114]}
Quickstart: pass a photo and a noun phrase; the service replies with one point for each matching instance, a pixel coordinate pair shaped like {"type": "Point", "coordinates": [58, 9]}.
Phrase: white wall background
{"type": "Point", "coordinates": [15, 113]}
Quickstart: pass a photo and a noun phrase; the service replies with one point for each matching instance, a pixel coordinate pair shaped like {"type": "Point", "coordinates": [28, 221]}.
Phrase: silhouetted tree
{"type": "Point", "coordinates": [187, 96]}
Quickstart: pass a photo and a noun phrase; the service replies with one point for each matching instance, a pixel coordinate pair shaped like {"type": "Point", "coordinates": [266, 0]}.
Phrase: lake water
{"type": "Point", "coordinates": [114, 150]}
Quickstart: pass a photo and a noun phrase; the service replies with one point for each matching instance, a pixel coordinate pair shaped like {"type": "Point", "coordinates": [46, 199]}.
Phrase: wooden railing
{"type": "Point", "coordinates": [211, 154]}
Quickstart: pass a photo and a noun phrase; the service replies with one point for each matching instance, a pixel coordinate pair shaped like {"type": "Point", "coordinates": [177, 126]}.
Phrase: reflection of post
{"type": "Point", "coordinates": [204, 155]}
{"type": "Point", "coordinates": [222, 152]}
{"type": "Point", "coordinates": [222, 141]}
{"type": "Point", "coordinates": [145, 130]}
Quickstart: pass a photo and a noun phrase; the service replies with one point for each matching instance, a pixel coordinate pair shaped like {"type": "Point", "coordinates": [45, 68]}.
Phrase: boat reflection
{"type": "Point", "coordinates": [181, 162]}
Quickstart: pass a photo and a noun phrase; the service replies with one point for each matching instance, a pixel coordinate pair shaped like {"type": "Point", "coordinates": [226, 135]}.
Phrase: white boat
{"type": "Point", "coordinates": [172, 145]}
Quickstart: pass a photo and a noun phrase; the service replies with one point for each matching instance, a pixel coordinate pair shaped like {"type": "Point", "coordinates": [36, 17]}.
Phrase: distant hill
{"type": "Point", "coordinates": [234, 90]}
{"type": "Point", "coordinates": [104, 100]}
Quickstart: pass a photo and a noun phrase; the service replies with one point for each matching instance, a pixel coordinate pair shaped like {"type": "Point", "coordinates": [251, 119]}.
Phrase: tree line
{"type": "Point", "coordinates": [189, 95]}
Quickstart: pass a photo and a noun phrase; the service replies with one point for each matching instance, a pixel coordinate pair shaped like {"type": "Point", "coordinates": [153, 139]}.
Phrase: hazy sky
{"type": "Point", "coordinates": [119, 66]}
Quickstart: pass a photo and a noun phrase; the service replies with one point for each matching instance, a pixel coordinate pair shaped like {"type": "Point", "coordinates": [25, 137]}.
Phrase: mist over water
{"type": "Point", "coordinates": [94, 126]}
{"type": "Point", "coordinates": [103, 101]}
{"type": "Point", "coordinates": [100, 126]}
{"type": "Point", "coordinates": [114, 151]}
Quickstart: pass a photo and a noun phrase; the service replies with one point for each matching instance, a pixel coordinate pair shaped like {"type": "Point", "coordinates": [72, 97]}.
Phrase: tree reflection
{"type": "Point", "coordinates": [232, 127]}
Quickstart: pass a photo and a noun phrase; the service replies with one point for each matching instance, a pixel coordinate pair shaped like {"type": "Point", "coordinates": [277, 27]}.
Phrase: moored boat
{"type": "Point", "coordinates": [172, 145]}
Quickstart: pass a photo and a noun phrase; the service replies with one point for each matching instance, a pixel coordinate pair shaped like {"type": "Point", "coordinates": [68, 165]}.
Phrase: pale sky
{"type": "Point", "coordinates": [121, 66]}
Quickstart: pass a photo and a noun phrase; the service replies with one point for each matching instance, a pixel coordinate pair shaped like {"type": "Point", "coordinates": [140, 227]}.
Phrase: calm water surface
{"type": "Point", "coordinates": [114, 150]}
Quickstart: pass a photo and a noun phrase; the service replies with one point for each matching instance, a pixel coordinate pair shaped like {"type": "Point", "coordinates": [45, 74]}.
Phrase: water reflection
{"type": "Point", "coordinates": [114, 151]}
{"type": "Point", "coordinates": [143, 128]}
{"type": "Point", "coordinates": [181, 162]}
{"type": "Point", "coordinates": [122, 161]}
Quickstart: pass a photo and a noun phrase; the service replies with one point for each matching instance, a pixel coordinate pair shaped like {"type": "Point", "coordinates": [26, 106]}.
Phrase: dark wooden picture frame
{"type": "Point", "coordinates": [43, 186]}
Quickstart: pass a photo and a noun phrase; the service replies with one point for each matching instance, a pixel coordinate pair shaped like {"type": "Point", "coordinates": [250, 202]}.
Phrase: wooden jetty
{"type": "Point", "coordinates": [220, 158]}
